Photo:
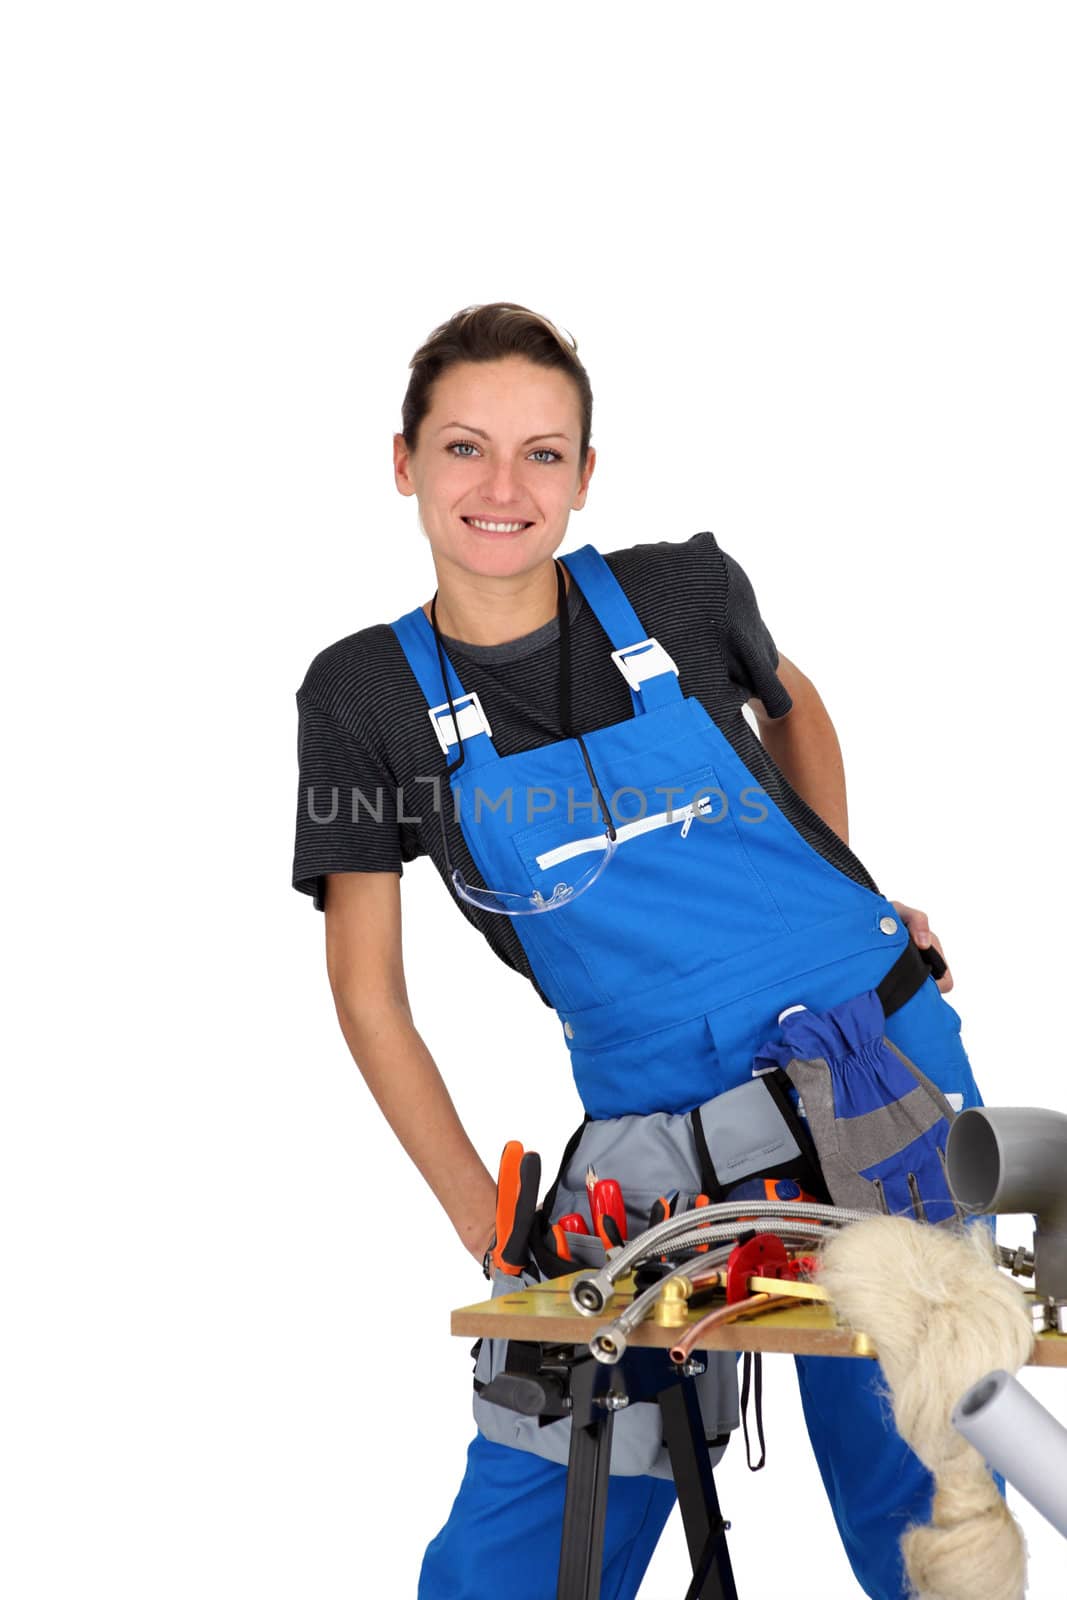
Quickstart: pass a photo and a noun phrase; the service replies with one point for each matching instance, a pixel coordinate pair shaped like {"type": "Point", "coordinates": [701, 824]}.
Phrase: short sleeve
{"type": "Point", "coordinates": [751, 653]}
{"type": "Point", "coordinates": [346, 818]}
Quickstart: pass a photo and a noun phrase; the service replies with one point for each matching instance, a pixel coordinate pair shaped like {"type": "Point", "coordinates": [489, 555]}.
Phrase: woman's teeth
{"type": "Point", "coordinates": [496, 527]}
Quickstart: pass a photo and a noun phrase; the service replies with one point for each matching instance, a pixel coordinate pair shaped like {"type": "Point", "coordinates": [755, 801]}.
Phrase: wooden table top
{"type": "Point", "coordinates": [544, 1313]}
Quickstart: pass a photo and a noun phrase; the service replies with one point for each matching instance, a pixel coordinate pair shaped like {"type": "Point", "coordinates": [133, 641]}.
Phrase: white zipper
{"type": "Point", "coordinates": [661, 819]}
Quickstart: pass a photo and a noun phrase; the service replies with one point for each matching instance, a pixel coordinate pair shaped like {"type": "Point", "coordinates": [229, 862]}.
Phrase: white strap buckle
{"type": "Point", "coordinates": [472, 719]}
{"type": "Point", "coordinates": [646, 659]}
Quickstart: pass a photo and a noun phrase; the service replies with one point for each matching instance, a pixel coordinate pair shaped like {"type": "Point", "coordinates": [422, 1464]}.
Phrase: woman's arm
{"type": "Point", "coordinates": [366, 970]}
{"type": "Point", "coordinates": [805, 749]}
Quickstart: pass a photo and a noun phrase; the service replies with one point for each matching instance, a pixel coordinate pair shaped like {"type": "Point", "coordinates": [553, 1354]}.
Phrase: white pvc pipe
{"type": "Point", "coordinates": [1019, 1439]}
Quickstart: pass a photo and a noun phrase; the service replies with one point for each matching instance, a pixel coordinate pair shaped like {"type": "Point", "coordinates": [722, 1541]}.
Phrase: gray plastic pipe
{"type": "Point", "coordinates": [1019, 1439]}
{"type": "Point", "coordinates": [1014, 1159]}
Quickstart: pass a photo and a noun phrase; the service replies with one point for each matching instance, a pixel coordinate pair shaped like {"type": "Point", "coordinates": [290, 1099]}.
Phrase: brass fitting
{"type": "Point", "coordinates": [672, 1308]}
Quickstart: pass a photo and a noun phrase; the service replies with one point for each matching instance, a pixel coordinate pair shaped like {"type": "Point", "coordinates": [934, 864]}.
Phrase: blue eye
{"type": "Point", "coordinates": [542, 450]}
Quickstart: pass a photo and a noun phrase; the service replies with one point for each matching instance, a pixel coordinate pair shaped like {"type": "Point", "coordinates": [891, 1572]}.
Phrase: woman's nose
{"type": "Point", "coordinates": [502, 485]}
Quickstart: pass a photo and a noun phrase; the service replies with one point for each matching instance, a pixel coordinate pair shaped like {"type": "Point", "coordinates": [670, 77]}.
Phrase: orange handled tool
{"type": "Point", "coordinates": [701, 1200]}
{"type": "Point", "coordinates": [573, 1222]}
{"type": "Point", "coordinates": [662, 1208]}
{"type": "Point", "coordinates": [608, 1231]}
{"type": "Point", "coordinates": [768, 1189]}
{"type": "Point", "coordinates": [517, 1184]}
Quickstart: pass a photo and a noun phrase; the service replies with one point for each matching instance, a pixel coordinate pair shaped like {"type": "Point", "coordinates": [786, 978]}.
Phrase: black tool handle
{"type": "Point", "coordinates": [517, 1247]}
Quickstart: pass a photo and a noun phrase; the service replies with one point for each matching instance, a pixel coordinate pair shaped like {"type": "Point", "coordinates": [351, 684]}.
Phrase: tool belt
{"type": "Point", "coordinates": [750, 1133]}
{"type": "Point", "coordinates": [784, 1133]}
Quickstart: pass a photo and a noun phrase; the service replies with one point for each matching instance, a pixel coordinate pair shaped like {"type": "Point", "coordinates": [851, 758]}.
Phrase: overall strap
{"type": "Point", "coordinates": [420, 647]}
{"type": "Point", "coordinates": [646, 666]}
{"type": "Point", "coordinates": [908, 974]}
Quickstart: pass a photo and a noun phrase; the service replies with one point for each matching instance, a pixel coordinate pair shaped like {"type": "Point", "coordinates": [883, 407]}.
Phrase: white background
{"type": "Point", "coordinates": [814, 259]}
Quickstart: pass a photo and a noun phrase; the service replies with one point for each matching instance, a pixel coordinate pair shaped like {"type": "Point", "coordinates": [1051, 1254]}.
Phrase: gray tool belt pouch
{"type": "Point", "coordinates": [745, 1134]}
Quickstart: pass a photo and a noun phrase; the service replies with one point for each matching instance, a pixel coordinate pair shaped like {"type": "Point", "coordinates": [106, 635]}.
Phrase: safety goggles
{"type": "Point", "coordinates": [513, 903]}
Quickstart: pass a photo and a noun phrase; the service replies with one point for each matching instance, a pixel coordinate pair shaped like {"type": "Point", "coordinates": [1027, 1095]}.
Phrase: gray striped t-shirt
{"type": "Point", "coordinates": [365, 741]}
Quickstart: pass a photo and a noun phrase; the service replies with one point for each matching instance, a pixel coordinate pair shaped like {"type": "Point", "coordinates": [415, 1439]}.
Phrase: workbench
{"type": "Point", "coordinates": [543, 1314]}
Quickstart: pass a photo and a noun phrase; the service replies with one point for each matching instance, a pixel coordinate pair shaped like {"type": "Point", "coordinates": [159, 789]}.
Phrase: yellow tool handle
{"type": "Point", "coordinates": [789, 1286]}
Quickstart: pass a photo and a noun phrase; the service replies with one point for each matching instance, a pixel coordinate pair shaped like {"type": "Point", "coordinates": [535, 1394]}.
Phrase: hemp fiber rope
{"type": "Point", "coordinates": [942, 1316]}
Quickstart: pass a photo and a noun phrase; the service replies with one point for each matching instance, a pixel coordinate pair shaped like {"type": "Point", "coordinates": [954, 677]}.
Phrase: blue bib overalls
{"type": "Point", "coordinates": [668, 975]}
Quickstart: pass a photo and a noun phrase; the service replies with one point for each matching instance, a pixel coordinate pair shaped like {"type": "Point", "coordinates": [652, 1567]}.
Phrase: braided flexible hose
{"type": "Point", "coordinates": [608, 1344]}
{"type": "Point", "coordinates": [590, 1294]}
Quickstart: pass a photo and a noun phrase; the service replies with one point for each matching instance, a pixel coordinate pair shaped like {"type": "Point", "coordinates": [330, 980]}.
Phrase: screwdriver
{"type": "Point", "coordinates": [608, 1201]}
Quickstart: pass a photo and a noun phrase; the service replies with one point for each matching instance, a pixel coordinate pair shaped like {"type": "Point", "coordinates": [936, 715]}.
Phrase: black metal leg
{"type": "Point", "coordinates": [705, 1530]}
{"type": "Point", "coordinates": [581, 1556]}
{"type": "Point", "coordinates": [585, 1507]}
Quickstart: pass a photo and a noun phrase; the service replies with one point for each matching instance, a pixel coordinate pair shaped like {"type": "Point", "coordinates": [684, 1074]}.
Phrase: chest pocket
{"type": "Point", "coordinates": [679, 890]}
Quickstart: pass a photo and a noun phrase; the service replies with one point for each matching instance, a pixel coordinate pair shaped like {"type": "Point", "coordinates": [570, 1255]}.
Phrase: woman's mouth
{"type": "Point", "coordinates": [483, 525]}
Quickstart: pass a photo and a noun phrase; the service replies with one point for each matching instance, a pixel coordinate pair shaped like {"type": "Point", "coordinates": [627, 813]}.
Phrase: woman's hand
{"type": "Point", "coordinates": [918, 925]}
{"type": "Point", "coordinates": [480, 1237]}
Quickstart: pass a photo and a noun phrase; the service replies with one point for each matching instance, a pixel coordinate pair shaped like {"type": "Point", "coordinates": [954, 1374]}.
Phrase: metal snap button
{"type": "Point", "coordinates": [888, 925]}
{"type": "Point", "coordinates": [568, 1030]}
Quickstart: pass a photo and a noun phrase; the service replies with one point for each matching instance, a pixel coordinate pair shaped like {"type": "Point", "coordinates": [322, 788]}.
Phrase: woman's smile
{"type": "Point", "coordinates": [496, 530]}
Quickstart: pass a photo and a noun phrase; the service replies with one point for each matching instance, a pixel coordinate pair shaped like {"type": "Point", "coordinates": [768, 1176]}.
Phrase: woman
{"type": "Point", "coordinates": [520, 682]}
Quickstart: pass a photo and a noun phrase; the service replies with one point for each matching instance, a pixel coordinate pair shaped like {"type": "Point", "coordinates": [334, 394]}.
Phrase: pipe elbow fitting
{"type": "Point", "coordinates": [1014, 1159]}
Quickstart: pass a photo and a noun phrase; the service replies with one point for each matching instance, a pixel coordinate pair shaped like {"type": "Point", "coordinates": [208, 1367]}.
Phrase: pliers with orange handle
{"type": "Point", "coordinates": [517, 1184]}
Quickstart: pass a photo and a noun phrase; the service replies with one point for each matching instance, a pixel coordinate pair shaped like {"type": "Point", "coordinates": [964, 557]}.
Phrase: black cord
{"type": "Point", "coordinates": [449, 769]}
{"type": "Point", "coordinates": [565, 694]}
{"type": "Point", "coordinates": [565, 713]}
{"type": "Point", "coordinates": [563, 612]}
{"type": "Point", "coordinates": [753, 1361]}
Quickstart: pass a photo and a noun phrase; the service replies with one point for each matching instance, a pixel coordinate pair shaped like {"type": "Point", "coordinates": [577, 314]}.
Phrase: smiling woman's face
{"type": "Point", "coordinates": [499, 444]}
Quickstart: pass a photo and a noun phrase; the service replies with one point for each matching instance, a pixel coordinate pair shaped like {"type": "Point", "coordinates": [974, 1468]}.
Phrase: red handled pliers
{"type": "Point", "coordinates": [609, 1212]}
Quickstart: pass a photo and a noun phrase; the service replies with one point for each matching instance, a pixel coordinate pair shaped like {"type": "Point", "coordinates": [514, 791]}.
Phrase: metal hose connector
{"type": "Point", "coordinates": [609, 1343]}
{"type": "Point", "coordinates": [590, 1294]}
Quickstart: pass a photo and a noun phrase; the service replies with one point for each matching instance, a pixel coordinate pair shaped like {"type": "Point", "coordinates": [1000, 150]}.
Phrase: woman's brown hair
{"type": "Point", "coordinates": [489, 333]}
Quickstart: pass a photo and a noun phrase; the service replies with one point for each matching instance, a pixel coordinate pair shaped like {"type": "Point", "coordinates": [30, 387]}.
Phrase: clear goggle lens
{"type": "Point", "coordinates": [507, 903]}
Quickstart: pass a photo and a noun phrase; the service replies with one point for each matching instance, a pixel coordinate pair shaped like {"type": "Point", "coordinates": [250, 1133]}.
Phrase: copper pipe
{"type": "Point", "coordinates": [725, 1314]}
{"type": "Point", "coordinates": [706, 1278]}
